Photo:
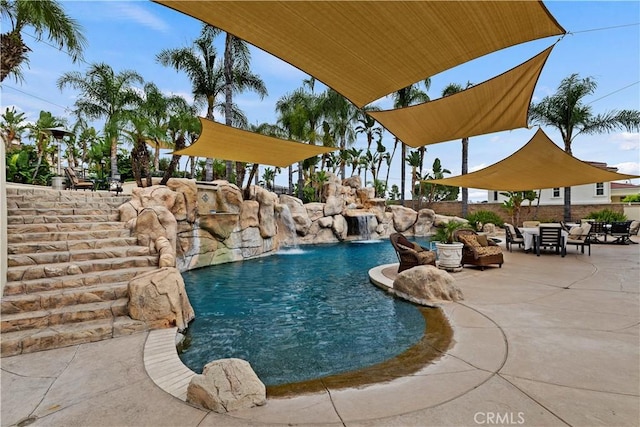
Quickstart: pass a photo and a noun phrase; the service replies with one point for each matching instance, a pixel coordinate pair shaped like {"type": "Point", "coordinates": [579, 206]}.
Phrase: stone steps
{"type": "Point", "coordinates": [56, 210]}
{"type": "Point", "coordinates": [57, 236]}
{"type": "Point", "coordinates": [57, 298]}
{"type": "Point", "coordinates": [57, 219]}
{"type": "Point", "coordinates": [74, 281]}
{"type": "Point", "coordinates": [32, 340]}
{"type": "Point", "coordinates": [41, 319]}
{"type": "Point", "coordinates": [31, 272]}
{"type": "Point", "coordinates": [70, 260]}
{"type": "Point", "coordinates": [58, 257]}
{"type": "Point", "coordinates": [34, 246]}
{"type": "Point", "coordinates": [62, 226]}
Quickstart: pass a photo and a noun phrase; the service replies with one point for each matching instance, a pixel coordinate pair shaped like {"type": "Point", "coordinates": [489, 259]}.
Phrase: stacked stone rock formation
{"type": "Point", "coordinates": [216, 225]}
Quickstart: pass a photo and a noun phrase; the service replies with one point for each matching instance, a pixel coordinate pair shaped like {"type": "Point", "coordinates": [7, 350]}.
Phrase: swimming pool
{"type": "Point", "coordinates": [300, 314]}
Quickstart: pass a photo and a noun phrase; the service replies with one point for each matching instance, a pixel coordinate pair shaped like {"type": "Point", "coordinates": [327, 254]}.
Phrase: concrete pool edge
{"type": "Point", "coordinates": [477, 352]}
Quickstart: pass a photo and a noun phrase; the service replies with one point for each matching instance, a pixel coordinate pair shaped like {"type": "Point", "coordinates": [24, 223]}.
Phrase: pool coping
{"type": "Point", "coordinates": [465, 366]}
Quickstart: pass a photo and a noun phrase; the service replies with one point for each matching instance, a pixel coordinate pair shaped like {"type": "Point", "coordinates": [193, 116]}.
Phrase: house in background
{"type": "Point", "coordinates": [620, 190]}
{"type": "Point", "coordinates": [599, 193]}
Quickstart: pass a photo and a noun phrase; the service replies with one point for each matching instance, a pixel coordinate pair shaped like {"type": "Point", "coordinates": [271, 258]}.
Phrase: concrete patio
{"type": "Point", "coordinates": [542, 341]}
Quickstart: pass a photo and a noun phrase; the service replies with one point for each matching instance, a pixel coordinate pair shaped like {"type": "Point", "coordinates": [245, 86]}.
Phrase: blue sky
{"type": "Point", "coordinates": [603, 43]}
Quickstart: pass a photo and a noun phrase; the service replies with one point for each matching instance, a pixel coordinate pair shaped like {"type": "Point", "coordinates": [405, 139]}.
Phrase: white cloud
{"type": "Point", "coordinates": [135, 13]}
{"type": "Point", "coordinates": [627, 141]}
{"type": "Point", "coordinates": [630, 168]}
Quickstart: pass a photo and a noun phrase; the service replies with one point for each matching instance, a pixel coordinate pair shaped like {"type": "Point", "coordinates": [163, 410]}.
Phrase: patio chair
{"type": "Point", "coordinates": [512, 237]}
{"type": "Point", "coordinates": [621, 232]}
{"type": "Point", "coordinates": [478, 250]}
{"type": "Point", "coordinates": [77, 183]}
{"type": "Point", "coordinates": [580, 236]}
{"type": "Point", "coordinates": [410, 254]}
{"type": "Point", "coordinates": [598, 230]}
{"type": "Point", "coordinates": [550, 237]}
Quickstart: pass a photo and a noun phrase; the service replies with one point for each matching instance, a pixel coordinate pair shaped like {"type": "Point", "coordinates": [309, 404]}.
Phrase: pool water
{"type": "Point", "coordinates": [299, 315]}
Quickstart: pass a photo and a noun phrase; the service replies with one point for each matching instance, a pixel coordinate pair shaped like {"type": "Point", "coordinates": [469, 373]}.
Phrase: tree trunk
{"type": "Point", "coordinates": [179, 145]}
{"type": "Point", "coordinates": [403, 150]}
{"type": "Point", "coordinates": [114, 156]}
{"type": "Point", "coordinates": [300, 181]}
{"type": "Point", "coordinates": [291, 180]}
{"type": "Point", "coordinates": [567, 204]}
{"type": "Point", "coordinates": [465, 170]}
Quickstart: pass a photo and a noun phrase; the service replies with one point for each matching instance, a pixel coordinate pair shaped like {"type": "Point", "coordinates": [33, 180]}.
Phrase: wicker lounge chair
{"type": "Point", "coordinates": [410, 254]}
{"type": "Point", "coordinates": [77, 183]}
{"type": "Point", "coordinates": [478, 250]}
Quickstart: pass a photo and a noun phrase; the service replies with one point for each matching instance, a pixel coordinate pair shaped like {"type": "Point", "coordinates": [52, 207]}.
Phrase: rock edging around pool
{"type": "Point", "coordinates": [473, 358]}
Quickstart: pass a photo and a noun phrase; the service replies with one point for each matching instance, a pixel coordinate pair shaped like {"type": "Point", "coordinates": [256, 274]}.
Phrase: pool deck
{"type": "Point", "coordinates": [542, 341]}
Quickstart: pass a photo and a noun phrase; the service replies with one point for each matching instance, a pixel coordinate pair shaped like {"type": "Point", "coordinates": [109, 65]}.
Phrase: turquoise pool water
{"type": "Point", "coordinates": [301, 314]}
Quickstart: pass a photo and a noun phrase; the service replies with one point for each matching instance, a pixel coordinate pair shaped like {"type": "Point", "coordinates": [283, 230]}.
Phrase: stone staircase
{"type": "Point", "coordinates": [69, 264]}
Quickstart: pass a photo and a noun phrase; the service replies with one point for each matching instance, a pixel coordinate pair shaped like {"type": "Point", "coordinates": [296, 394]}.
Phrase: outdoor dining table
{"type": "Point", "coordinates": [529, 233]}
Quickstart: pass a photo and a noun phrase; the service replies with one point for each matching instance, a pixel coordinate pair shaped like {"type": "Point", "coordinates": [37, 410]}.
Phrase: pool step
{"type": "Point", "coordinates": [70, 260]}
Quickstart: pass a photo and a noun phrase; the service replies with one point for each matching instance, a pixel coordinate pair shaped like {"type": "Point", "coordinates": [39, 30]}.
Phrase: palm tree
{"type": "Point", "coordinates": [367, 126]}
{"type": "Point", "coordinates": [340, 115]}
{"type": "Point", "coordinates": [237, 79]}
{"type": "Point", "coordinates": [403, 98]}
{"type": "Point", "coordinates": [300, 114]}
{"type": "Point", "coordinates": [207, 79]}
{"type": "Point", "coordinates": [104, 94]}
{"type": "Point", "coordinates": [42, 138]}
{"type": "Point", "coordinates": [12, 126]}
{"type": "Point", "coordinates": [183, 125]}
{"type": "Point", "coordinates": [413, 159]}
{"type": "Point", "coordinates": [450, 89]}
{"type": "Point", "coordinates": [566, 112]}
{"type": "Point", "coordinates": [45, 17]}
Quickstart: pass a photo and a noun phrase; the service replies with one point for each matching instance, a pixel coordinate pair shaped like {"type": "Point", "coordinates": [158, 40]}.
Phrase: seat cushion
{"type": "Point", "coordinates": [482, 239]}
{"type": "Point", "coordinates": [489, 250]}
{"type": "Point", "coordinates": [469, 240]}
{"type": "Point", "coordinates": [575, 233]}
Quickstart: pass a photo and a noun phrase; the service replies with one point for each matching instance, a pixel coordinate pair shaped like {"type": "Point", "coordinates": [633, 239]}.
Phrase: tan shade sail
{"type": "Point", "coordinates": [539, 164]}
{"type": "Point", "coordinates": [226, 143]}
{"type": "Point", "coordinates": [501, 103]}
{"type": "Point", "coordinates": [368, 49]}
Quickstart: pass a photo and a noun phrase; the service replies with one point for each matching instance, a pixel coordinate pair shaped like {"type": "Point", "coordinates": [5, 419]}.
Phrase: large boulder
{"type": "Point", "coordinates": [159, 299]}
{"type": "Point", "coordinates": [299, 213]}
{"type": "Point", "coordinates": [354, 182]}
{"type": "Point", "coordinates": [333, 206]}
{"type": "Point", "coordinates": [424, 222]}
{"type": "Point", "coordinates": [227, 385]}
{"type": "Point", "coordinates": [426, 285]}
{"type": "Point", "coordinates": [266, 212]}
{"type": "Point", "coordinates": [403, 218]}
{"type": "Point", "coordinates": [249, 214]}
{"type": "Point", "coordinates": [315, 211]}
{"type": "Point", "coordinates": [153, 222]}
{"type": "Point", "coordinates": [228, 197]}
